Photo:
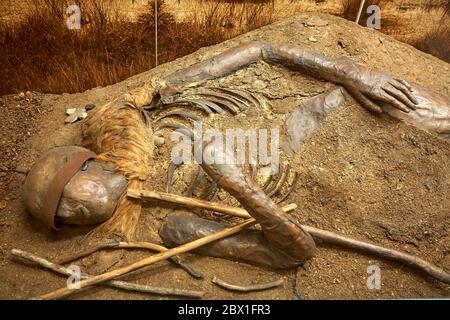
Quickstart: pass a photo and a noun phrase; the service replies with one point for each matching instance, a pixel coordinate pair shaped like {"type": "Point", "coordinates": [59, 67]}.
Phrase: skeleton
{"type": "Point", "coordinates": [121, 134]}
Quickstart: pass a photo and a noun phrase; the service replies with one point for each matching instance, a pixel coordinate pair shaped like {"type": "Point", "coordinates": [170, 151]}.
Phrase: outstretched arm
{"type": "Point", "coordinates": [375, 90]}
{"type": "Point", "coordinates": [366, 86]}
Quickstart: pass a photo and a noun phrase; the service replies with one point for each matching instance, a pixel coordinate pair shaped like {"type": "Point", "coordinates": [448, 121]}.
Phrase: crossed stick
{"type": "Point", "coordinates": [93, 280]}
{"type": "Point", "coordinates": [317, 234]}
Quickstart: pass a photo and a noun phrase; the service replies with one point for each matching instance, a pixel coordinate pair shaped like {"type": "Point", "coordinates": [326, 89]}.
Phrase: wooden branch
{"type": "Point", "coordinates": [360, 9]}
{"type": "Point", "coordinates": [86, 252]}
{"type": "Point", "coordinates": [113, 283]}
{"type": "Point", "coordinates": [247, 288]}
{"type": "Point", "coordinates": [63, 292]}
{"type": "Point", "coordinates": [390, 254]}
{"type": "Point", "coordinates": [156, 247]}
{"type": "Point", "coordinates": [132, 245]}
{"type": "Point", "coordinates": [195, 203]}
{"type": "Point", "coordinates": [318, 234]}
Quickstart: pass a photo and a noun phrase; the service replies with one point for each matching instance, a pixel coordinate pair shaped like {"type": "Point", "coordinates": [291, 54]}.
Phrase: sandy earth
{"type": "Point", "coordinates": [371, 178]}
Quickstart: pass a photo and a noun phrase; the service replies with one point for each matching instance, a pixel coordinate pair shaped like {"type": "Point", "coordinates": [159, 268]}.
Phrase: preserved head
{"type": "Point", "coordinates": [67, 185]}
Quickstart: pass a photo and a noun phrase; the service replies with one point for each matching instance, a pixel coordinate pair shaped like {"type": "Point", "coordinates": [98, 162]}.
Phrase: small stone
{"type": "Point", "coordinates": [342, 44]}
{"type": "Point", "coordinates": [20, 96]}
{"type": "Point", "coordinates": [312, 39]}
{"type": "Point", "coordinates": [71, 118]}
{"type": "Point", "coordinates": [82, 114]}
{"type": "Point", "coordinates": [336, 281]}
{"type": "Point", "coordinates": [28, 94]}
{"type": "Point", "coordinates": [75, 114]}
{"type": "Point", "coordinates": [159, 141]}
{"type": "Point", "coordinates": [315, 22]}
{"type": "Point", "coordinates": [70, 111]}
{"type": "Point", "coordinates": [89, 107]}
{"type": "Point", "coordinates": [259, 85]}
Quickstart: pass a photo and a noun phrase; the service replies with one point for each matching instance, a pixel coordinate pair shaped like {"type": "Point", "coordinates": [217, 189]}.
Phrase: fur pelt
{"type": "Point", "coordinates": [119, 135]}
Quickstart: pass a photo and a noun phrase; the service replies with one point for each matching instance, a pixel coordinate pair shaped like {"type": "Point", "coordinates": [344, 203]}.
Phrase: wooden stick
{"type": "Point", "coordinates": [85, 252]}
{"type": "Point", "coordinates": [195, 203]}
{"type": "Point", "coordinates": [132, 245]}
{"type": "Point", "coordinates": [318, 234]}
{"type": "Point", "coordinates": [113, 283]}
{"type": "Point", "coordinates": [358, 15]}
{"type": "Point", "coordinates": [112, 245]}
{"type": "Point", "coordinates": [247, 288]}
{"type": "Point", "coordinates": [156, 247]}
{"type": "Point", "coordinates": [63, 292]}
{"type": "Point", "coordinates": [390, 254]}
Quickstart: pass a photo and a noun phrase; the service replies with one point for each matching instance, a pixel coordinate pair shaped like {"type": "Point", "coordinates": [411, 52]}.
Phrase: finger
{"type": "Point", "coordinates": [405, 83]}
{"type": "Point", "coordinates": [366, 102]}
{"type": "Point", "coordinates": [400, 96]}
{"type": "Point", "coordinates": [394, 102]}
{"type": "Point", "coordinates": [405, 90]}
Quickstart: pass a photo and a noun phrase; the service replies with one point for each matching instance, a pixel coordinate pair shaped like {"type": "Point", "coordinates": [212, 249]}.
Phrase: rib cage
{"type": "Point", "coordinates": [194, 103]}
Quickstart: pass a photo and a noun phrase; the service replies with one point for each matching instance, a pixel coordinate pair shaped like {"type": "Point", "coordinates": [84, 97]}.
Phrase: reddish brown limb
{"type": "Point", "coordinates": [318, 234]}
{"type": "Point", "coordinates": [281, 230]}
{"type": "Point", "coordinates": [375, 90]}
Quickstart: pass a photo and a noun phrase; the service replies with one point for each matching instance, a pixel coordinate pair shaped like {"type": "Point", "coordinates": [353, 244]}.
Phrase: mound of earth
{"type": "Point", "coordinates": [367, 177]}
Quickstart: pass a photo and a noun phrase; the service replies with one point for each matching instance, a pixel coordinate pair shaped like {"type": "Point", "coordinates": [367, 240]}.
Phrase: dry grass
{"type": "Point", "coordinates": [350, 9]}
{"type": "Point", "coordinates": [41, 54]}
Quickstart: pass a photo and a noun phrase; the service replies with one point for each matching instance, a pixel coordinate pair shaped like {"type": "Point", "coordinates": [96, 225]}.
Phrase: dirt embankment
{"type": "Point", "coordinates": [367, 177]}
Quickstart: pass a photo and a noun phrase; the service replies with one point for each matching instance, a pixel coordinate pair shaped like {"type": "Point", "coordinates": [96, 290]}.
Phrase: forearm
{"type": "Point", "coordinates": [218, 66]}
{"type": "Point", "coordinates": [287, 55]}
{"type": "Point", "coordinates": [304, 60]}
{"type": "Point", "coordinates": [279, 229]}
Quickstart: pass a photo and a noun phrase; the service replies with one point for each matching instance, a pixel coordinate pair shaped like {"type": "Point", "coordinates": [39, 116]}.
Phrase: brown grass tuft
{"type": "Point", "coordinates": [39, 53]}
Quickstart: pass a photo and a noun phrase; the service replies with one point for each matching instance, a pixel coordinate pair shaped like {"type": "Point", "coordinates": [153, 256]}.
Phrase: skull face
{"type": "Point", "coordinates": [91, 196]}
{"type": "Point", "coordinates": [66, 185]}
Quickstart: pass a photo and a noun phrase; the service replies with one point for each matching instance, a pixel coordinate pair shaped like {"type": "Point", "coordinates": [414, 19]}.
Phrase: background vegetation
{"type": "Point", "coordinates": [39, 52]}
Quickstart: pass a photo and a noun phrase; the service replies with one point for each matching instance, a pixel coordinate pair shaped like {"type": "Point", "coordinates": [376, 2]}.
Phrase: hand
{"type": "Point", "coordinates": [369, 87]}
{"type": "Point", "coordinates": [432, 114]}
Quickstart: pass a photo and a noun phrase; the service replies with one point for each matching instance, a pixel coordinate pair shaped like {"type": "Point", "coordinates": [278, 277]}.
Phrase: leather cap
{"type": "Point", "coordinates": [47, 178]}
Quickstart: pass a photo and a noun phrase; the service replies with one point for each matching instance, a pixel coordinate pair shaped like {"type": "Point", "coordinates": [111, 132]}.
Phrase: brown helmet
{"type": "Point", "coordinates": [45, 182]}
